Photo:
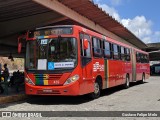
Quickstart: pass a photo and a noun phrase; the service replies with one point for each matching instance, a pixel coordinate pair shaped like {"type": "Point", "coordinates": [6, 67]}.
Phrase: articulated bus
{"type": "Point", "coordinates": [71, 60]}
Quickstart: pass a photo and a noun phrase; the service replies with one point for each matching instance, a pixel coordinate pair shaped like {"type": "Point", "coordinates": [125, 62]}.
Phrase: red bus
{"type": "Point", "coordinates": [72, 60]}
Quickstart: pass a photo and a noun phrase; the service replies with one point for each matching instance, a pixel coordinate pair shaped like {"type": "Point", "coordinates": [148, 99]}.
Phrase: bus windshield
{"type": "Point", "coordinates": [51, 53]}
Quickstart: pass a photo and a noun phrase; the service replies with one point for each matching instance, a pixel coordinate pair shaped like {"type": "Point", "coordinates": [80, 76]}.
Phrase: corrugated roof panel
{"type": "Point", "coordinates": [19, 8]}
{"type": "Point", "coordinates": [88, 9]}
{"type": "Point", "coordinates": [23, 8]}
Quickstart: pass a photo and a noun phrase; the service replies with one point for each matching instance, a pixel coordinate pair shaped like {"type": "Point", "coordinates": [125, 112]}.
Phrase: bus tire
{"type": "Point", "coordinates": [143, 79]}
{"type": "Point", "coordinates": [97, 90]}
{"type": "Point", "coordinates": [127, 83]}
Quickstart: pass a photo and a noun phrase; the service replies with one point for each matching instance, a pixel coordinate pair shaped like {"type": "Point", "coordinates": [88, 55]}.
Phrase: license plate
{"type": "Point", "coordinates": [47, 90]}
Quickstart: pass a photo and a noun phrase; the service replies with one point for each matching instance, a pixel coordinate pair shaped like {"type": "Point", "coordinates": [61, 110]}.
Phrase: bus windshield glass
{"type": "Point", "coordinates": [51, 54]}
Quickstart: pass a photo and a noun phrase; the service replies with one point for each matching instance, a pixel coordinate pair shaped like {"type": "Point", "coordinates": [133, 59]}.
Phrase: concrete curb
{"type": "Point", "coordinates": [12, 98]}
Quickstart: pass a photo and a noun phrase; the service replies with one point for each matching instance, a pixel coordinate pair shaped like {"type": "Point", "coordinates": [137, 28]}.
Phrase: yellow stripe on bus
{"type": "Point", "coordinates": [45, 82]}
{"type": "Point", "coordinates": [107, 74]}
{"type": "Point", "coordinates": [46, 36]}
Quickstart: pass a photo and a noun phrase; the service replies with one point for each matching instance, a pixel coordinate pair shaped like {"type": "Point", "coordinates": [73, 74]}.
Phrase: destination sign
{"type": "Point", "coordinates": [52, 31]}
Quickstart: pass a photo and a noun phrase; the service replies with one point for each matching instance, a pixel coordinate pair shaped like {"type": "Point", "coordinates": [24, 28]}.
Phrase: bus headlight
{"type": "Point", "coordinates": [71, 79]}
{"type": "Point", "coordinates": [29, 81]}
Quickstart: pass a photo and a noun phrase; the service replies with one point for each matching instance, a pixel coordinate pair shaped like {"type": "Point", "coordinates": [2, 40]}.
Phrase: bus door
{"type": "Point", "coordinates": [86, 60]}
{"type": "Point", "coordinates": [133, 59]}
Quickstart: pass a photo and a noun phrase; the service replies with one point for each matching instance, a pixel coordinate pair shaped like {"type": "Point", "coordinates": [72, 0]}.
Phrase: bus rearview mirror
{"type": "Point", "coordinates": [85, 44]}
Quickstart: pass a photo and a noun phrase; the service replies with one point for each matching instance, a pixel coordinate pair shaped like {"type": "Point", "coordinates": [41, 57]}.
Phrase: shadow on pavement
{"type": "Point", "coordinates": [10, 104]}
{"type": "Point", "coordinates": [110, 91]}
{"type": "Point", "coordinates": [72, 100]}
{"type": "Point", "coordinates": [68, 100]}
{"type": "Point", "coordinates": [55, 100]}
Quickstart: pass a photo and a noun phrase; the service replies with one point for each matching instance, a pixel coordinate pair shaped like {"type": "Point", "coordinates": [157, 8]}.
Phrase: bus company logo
{"type": "Point", "coordinates": [46, 77]}
{"type": "Point", "coordinates": [97, 66]}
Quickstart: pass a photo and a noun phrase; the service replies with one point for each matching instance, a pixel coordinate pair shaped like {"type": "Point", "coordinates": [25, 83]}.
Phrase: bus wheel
{"type": "Point", "coordinates": [126, 85]}
{"type": "Point", "coordinates": [143, 79]}
{"type": "Point", "coordinates": [97, 90]}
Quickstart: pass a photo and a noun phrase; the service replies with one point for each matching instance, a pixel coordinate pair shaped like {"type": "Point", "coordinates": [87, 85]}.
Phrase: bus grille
{"type": "Point", "coordinates": [47, 79]}
{"type": "Point", "coordinates": [48, 76]}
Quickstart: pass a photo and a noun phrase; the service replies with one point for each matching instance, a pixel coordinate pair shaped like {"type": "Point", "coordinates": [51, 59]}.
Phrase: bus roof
{"type": "Point", "coordinates": [54, 26]}
{"type": "Point", "coordinates": [95, 34]}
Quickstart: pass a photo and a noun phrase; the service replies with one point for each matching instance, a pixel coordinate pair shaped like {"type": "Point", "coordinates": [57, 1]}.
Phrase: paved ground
{"type": "Point", "coordinates": [13, 95]}
{"type": "Point", "coordinates": [139, 97]}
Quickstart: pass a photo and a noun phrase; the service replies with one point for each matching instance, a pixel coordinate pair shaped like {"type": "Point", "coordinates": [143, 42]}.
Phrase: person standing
{"type": "Point", "coordinates": [0, 68]}
{"type": "Point", "coordinates": [5, 75]}
{"type": "Point", "coordinates": [1, 88]}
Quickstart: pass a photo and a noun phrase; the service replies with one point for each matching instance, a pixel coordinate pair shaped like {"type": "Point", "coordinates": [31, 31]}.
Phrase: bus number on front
{"type": "Point", "coordinates": [56, 82]}
{"type": "Point", "coordinates": [43, 41]}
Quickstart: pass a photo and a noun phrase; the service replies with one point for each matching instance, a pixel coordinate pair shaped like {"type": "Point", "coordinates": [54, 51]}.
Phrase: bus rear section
{"type": "Point", "coordinates": [141, 67]}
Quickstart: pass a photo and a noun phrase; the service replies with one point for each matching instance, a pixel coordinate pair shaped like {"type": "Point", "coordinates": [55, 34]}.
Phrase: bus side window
{"type": "Point", "coordinates": [147, 58]}
{"type": "Point", "coordinates": [138, 57]}
{"type": "Point", "coordinates": [122, 55]}
{"type": "Point", "coordinates": [127, 56]}
{"type": "Point", "coordinates": [115, 52]}
{"type": "Point", "coordinates": [97, 51]}
{"type": "Point", "coordinates": [107, 50]}
{"type": "Point", "coordinates": [85, 53]}
{"type": "Point", "coordinates": [142, 58]}
{"type": "Point", "coordinates": [119, 52]}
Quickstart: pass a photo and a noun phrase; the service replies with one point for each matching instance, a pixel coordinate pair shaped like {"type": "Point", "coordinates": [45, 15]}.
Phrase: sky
{"type": "Point", "coordinates": [141, 17]}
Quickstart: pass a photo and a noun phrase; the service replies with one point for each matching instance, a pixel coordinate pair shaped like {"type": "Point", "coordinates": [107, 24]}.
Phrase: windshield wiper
{"type": "Point", "coordinates": [58, 47]}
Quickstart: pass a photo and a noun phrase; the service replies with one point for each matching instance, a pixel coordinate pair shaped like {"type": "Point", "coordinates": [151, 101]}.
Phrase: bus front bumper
{"type": "Point", "coordinates": [66, 90]}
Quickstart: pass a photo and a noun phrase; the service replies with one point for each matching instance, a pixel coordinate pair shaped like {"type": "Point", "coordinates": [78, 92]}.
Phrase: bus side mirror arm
{"type": "Point", "coordinates": [19, 45]}
{"type": "Point", "coordinates": [20, 38]}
